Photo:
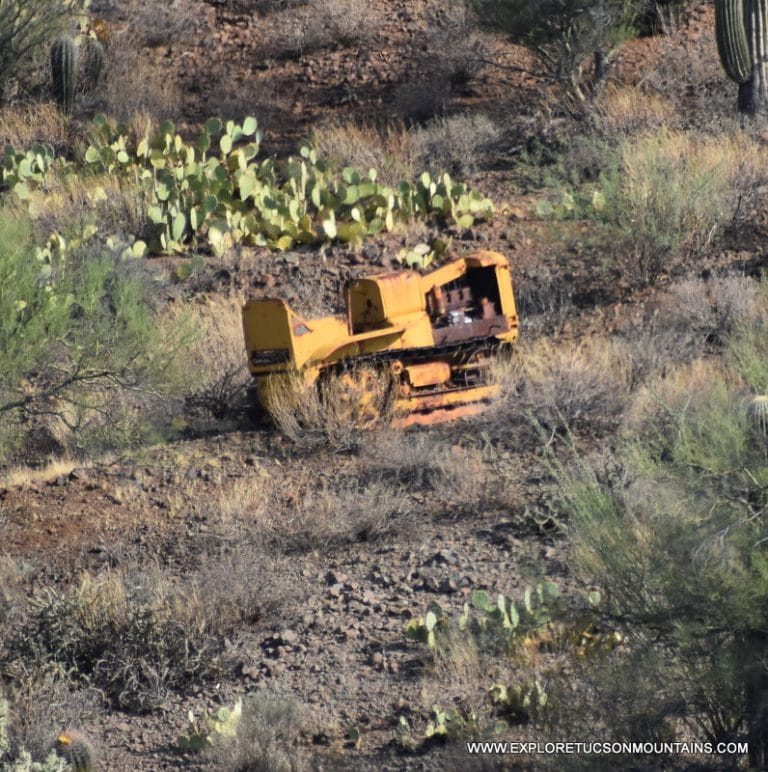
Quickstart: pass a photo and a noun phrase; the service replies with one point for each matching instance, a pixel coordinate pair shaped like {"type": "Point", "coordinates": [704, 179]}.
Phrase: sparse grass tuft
{"type": "Point", "coordinates": [267, 737]}
{"type": "Point", "coordinates": [389, 149]}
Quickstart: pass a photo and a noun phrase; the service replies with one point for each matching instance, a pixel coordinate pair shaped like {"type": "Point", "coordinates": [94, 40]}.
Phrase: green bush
{"type": "Point", "coordinates": [665, 197]}
{"type": "Point", "coordinates": [674, 531]}
{"type": "Point", "coordinates": [564, 34]}
{"type": "Point", "coordinates": [77, 332]}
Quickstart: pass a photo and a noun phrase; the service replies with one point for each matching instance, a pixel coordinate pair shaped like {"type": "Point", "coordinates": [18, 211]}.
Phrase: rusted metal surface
{"type": "Point", "coordinates": [464, 330]}
{"type": "Point", "coordinates": [439, 415]}
{"type": "Point", "coordinates": [432, 335]}
{"type": "Point", "coordinates": [428, 374]}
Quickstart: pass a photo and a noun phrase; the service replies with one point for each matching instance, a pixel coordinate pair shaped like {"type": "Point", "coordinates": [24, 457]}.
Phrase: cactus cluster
{"type": "Point", "coordinates": [20, 172]}
{"type": "Point", "coordinates": [64, 72]}
{"type": "Point", "coordinates": [215, 192]}
{"type": "Point", "coordinates": [67, 54]}
{"type": "Point", "coordinates": [203, 732]}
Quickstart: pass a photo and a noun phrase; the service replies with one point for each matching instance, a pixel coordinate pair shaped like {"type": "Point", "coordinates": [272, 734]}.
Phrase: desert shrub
{"type": "Point", "coordinates": [582, 385]}
{"type": "Point", "coordinates": [320, 24]}
{"type": "Point", "coordinates": [693, 317]}
{"type": "Point", "coordinates": [154, 24]}
{"type": "Point", "coordinates": [40, 708]}
{"type": "Point", "coordinates": [684, 71]}
{"type": "Point", "coordinates": [77, 329]}
{"type": "Point", "coordinates": [267, 737]}
{"type": "Point", "coordinates": [627, 110]}
{"type": "Point", "coordinates": [331, 514]}
{"type": "Point", "coordinates": [27, 29]}
{"type": "Point", "coordinates": [711, 309]}
{"type": "Point", "coordinates": [21, 126]}
{"type": "Point", "coordinates": [460, 145]}
{"type": "Point", "coordinates": [666, 197]}
{"type": "Point", "coordinates": [458, 476]}
{"type": "Point", "coordinates": [222, 388]}
{"type": "Point", "coordinates": [563, 35]}
{"type": "Point", "coordinates": [139, 636]}
{"type": "Point", "coordinates": [675, 537]}
{"type": "Point", "coordinates": [135, 82]}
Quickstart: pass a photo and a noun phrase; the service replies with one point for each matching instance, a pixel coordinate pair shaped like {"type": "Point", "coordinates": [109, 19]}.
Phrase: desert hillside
{"type": "Point", "coordinates": [189, 583]}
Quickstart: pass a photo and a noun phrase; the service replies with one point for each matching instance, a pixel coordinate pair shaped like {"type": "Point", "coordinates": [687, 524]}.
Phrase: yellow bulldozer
{"type": "Point", "coordinates": [433, 335]}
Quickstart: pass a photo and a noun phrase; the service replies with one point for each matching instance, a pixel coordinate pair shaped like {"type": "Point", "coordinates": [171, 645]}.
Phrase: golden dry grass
{"type": "Point", "coordinates": [568, 383]}
{"type": "Point", "coordinates": [623, 110]}
{"type": "Point", "coordinates": [333, 410]}
{"type": "Point", "coordinates": [388, 148]}
{"type": "Point", "coordinates": [20, 476]}
{"type": "Point", "coordinates": [23, 125]}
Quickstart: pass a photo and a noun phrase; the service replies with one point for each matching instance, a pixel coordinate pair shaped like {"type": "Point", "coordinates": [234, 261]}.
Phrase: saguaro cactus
{"type": "Point", "coordinates": [64, 71]}
{"type": "Point", "coordinates": [742, 41]}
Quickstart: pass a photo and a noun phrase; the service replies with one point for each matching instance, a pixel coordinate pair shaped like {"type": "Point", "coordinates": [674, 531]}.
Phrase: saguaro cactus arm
{"type": "Point", "coordinates": [731, 34]}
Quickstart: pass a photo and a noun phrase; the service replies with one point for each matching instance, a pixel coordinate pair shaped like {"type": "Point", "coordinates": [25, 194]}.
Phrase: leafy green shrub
{"type": "Point", "coordinates": [76, 331]}
{"type": "Point", "coordinates": [564, 34]}
{"type": "Point", "coordinates": [666, 196]}
{"type": "Point", "coordinates": [673, 531]}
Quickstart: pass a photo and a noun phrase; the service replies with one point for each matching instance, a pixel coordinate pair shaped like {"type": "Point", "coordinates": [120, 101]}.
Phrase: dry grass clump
{"type": "Point", "coordinates": [668, 194]}
{"type": "Point", "coordinates": [658, 405]}
{"type": "Point", "coordinates": [222, 377]}
{"type": "Point", "coordinates": [320, 24]}
{"type": "Point", "coordinates": [711, 309]}
{"type": "Point", "coordinates": [460, 478]}
{"type": "Point", "coordinates": [135, 82]}
{"type": "Point", "coordinates": [140, 635]}
{"type": "Point", "coordinates": [267, 738]}
{"type": "Point", "coordinates": [626, 110]}
{"type": "Point", "coordinates": [460, 145]}
{"type": "Point", "coordinates": [39, 707]}
{"type": "Point", "coordinates": [577, 385]}
{"type": "Point", "coordinates": [24, 125]}
{"type": "Point", "coordinates": [330, 513]}
{"type": "Point", "coordinates": [118, 206]}
{"type": "Point", "coordinates": [339, 411]}
{"type": "Point", "coordinates": [692, 315]}
{"type": "Point", "coordinates": [387, 148]}
{"type": "Point", "coordinates": [686, 73]}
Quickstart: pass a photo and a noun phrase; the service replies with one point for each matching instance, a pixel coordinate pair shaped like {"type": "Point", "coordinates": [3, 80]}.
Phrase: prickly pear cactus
{"type": "Point", "coordinates": [64, 72]}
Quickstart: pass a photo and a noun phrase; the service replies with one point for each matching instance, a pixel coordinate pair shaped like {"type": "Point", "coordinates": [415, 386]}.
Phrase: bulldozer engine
{"type": "Point", "coordinates": [434, 335]}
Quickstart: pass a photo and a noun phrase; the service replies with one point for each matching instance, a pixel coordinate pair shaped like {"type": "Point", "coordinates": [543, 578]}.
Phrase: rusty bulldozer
{"type": "Point", "coordinates": [432, 335]}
